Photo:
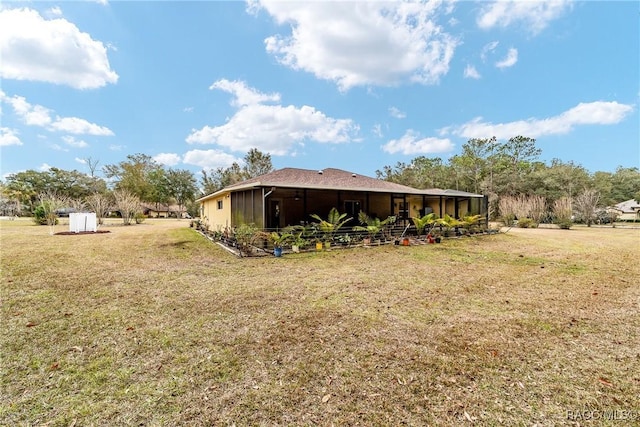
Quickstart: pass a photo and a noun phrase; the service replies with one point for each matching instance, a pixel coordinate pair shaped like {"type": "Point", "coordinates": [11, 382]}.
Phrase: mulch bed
{"type": "Point", "coordinates": [73, 233]}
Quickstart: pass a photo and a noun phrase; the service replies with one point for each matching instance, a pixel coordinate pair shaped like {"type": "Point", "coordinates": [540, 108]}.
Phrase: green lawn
{"type": "Point", "coordinates": [152, 324]}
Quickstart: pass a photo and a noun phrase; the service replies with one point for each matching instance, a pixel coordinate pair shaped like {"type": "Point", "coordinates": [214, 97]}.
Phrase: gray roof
{"type": "Point", "coordinates": [332, 179]}
{"type": "Point", "coordinates": [628, 206]}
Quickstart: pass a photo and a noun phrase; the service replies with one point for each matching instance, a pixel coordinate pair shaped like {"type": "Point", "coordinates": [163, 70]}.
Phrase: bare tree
{"type": "Point", "coordinates": [585, 205]}
{"type": "Point", "coordinates": [101, 204]}
{"type": "Point", "coordinates": [128, 204]}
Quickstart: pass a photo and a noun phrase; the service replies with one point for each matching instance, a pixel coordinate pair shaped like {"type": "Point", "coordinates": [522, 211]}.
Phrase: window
{"type": "Point", "coordinates": [219, 204]}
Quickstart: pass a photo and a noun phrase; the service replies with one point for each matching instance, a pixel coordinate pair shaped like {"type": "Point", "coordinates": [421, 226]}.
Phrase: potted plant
{"type": "Point", "coordinates": [297, 237]}
{"type": "Point", "coordinates": [373, 226]}
{"type": "Point", "coordinates": [334, 222]}
{"type": "Point", "coordinates": [279, 240]}
{"type": "Point", "coordinates": [429, 220]}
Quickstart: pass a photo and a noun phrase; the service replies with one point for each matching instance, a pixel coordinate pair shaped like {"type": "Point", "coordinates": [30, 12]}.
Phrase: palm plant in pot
{"type": "Point", "coordinates": [372, 226]}
{"type": "Point", "coordinates": [330, 226]}
{"type": "Point", "coordinates": [279, 240]}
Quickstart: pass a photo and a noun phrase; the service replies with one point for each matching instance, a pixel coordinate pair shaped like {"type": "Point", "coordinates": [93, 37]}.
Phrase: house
{"type": "Point", "coordinates": [626, 211]}
{"type": "Point", "coordinates": [161, 210]}
{"type": "Point", "coordinates": [289, 196]}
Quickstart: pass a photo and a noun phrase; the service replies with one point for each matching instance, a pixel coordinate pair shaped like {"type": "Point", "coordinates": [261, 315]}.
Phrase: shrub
{"type": "Point", "coordinates": [527, 223]}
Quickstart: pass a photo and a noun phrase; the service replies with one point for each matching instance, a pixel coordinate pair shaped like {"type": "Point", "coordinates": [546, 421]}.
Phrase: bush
{"type": "Point", "coordinates": [527, 223]}
{"type": "Point", "coordinates": [40, 216]}
{"type": "Point", "coordinates": [564, 224]}
{"type": "Point", "coordinates": [139, 217]}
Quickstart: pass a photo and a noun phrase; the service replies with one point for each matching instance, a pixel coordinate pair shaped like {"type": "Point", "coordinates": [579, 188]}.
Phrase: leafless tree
{"type": "Point", "coordinates": [585, 205]}
{"type": "Point", "coordinates": [127, 204]}
{"type": "Point", "coordinates": [562, 212]}
{"type": "Point", "coordinates": [100, 204]}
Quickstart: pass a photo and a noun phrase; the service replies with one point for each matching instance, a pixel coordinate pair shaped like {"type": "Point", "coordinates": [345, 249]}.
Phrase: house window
{"type": "Point", "coordinates": [219, 204]}
{"type": "Point", "coordinates": [352, 208]}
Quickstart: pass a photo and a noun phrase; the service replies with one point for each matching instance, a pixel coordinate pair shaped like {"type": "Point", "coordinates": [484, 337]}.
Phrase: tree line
{"type": "Point", "coordinates": [503, 171]}
{"type": "Point", "coordinates": [506, 171]}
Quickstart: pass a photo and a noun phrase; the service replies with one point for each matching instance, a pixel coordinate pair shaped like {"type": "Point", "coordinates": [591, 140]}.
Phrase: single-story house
{"type": "Point", "coordinates": [162, 210]}
{"type": "Point", "coordinates": [627, 211]}
{"type": "Point", "coordinates": [289, 196]}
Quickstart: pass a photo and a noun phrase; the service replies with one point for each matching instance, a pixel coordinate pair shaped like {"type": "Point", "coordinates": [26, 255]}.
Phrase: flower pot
{"type": "Point", "coordinates": [327, 245]}
{"type": "Point", "coordinates": [318, 246]}
{"type": "Point", "coordinates": [277, 252]}
{"type": "Point", "coordinates": [438, 239]}
{"type": "Point", "coordinates": [295, 248]}
{"type": "Point", "coordinates": [366, 241]}
{"type": "Point", "coordinates": [405, 241]}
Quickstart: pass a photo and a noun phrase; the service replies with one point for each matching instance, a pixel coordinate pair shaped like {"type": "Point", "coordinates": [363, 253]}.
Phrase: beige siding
{"type": "Point", "coordinates": [215, 218]}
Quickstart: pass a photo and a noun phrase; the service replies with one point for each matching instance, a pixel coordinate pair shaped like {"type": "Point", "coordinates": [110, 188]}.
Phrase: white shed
{"type": "Point", "coordinates": [79, 222]}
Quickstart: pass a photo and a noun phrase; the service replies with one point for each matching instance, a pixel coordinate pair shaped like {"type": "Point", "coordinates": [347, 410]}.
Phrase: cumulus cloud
{"type": "Point", "coordinates": [243, 95]}
{"type": "Point", "coordinates": [395, 112]}
{"type": "Point", "coordinates": [363, 43]}
{"type": "Point", "coordinates": [412, 143]}
{"type": "Point", "coordinates": [79, 126]}
{"type": "Point", "coordinates": [167, 159]}
{"type": "Point", "coordinates": [377, 130]}
{"type": "Point", "coordinates": [44, 167]}
{"type": "Point", "coordinates": [37, 115]}
{"type": "Point", "coordinates": [210, 159]}
{"type": "Point", "coordinates": [470, 72]}
{"type": "Point", "coordinates": [81, 161]}
{"type": "Point", "coordinates": [273, 129]}
{"type": "Point", "coordinates": [510, 60]}
{"type": "Point", "coordinates": [533, 15]}
{"type": "Point", "coordinates": [592, 113]}
{"type": "Point", "coordinates": [9, 137]}
{"type": "Point", "coordinates": [54, 51]}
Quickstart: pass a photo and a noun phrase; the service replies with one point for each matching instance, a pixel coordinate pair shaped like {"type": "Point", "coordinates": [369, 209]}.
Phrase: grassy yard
{"type": "Point", "coordinates": [152, 324]}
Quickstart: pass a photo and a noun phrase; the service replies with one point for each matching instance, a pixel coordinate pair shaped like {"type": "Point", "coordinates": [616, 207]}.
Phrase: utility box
{"type": "Point", "coordinates": [79, 222]}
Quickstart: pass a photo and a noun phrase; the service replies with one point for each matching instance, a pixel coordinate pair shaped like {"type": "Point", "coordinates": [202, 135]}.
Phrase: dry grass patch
{"type": "Point", "coordinates": [152, 324]}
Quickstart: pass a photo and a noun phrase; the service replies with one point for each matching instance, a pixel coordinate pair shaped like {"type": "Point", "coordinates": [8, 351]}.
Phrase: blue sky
{"type": "Point", "coordinates": [350, 85]}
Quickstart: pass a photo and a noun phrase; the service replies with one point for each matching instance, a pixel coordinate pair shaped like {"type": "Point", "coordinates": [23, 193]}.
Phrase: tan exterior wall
{"type": "Point", "coordinates": [216, 219]}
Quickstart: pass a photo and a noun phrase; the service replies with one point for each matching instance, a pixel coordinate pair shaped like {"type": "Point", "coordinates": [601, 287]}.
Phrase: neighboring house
{"type": "Point", "coordinates": [163, 211]}
{"type": "Point", "coordinates": [289, 196]}
{"type": "Point", "coordinates": [627, 211]}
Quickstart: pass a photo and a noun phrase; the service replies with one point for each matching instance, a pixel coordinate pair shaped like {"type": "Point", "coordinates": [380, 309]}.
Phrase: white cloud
{"type": "Point", "coordinates": [33, 115]}
{"type": "Point", "coordinates": [363, 43]}
{"type": "Point", "coordinates": [188, 109]}
{"type": "Point", "coordinates": [593, 113]}
{"type": "Point", "coordinates": [243, 95]}
{"type": "Point", "coordinates": [54, 11]}
{"type": "Point", "coordinates": [54, 51]}
{"type": "Point", "coordinates": [470, 72]}
{"type": "Point", "coordinates": [272, 128]}
{"type": "Point", "coordinates": [510, 60]}
{"type": "Point", "coordinates": [377, 130]}
{"type": "Point", "coordinates": [72, 142]}
{"type": "Point", "coordinates": [533, 15]}
{"type": "Point", "coordinates": [411, 143]}
{"type": "Point", "coordinates": [81, 161]}
{"type": "Point", "coordinates": [397, 113]}
{"type": "Point", "coordinates": [210, 159]}
{"type": "Point", "coordinates": [167, 159]}
{"type": "Point", "coordinates": [488, 48]}
{"type": "Point", "coordinates": [44, 167]}
{"type": "Point", "coordinates": [79, 126]}
{"type": "Point", "coordinates": [9, 137]}
{"type": "Point", "coordinates": [37, 115]}
{"type": "Point", "coordinates": [114, 147]}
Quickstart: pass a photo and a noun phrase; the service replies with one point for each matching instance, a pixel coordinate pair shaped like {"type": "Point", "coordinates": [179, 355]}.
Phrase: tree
{"type": "Point", "coordinates": [101, 204]}
{"type": "Point", "coordinates": [133, 175]}
{"type": "Point", "coordinates": [515, 160]}
{"type": "Point", "coordinates": [181, 186]}
{"type": "Point", "coordinates": [255, 164]}
{"type": "Point", "coordinates": [160, 191]}
{"type": "Point", "coordinates": [50, 204]}
{"type": "Point", "coordinates": [127, 203]}
{"type": "Point", "coordinates": [585, 205]}
{"type": "Point", "coordinates": [475, 164]}
{"type": "Point", "coordinates": [26, 186]}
